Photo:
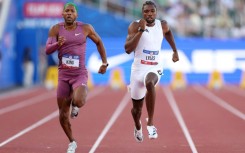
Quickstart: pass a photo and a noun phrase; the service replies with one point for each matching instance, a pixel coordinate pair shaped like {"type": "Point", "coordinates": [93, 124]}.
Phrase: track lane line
{"type": "Point", "coordinates": [18, 92]}
{"type": "Point", "coordinates": [45, 119]}
{"type": "Point", "coordinates": [112, 120]}
{"type": "Point", "coordinates": [28, 102]}
{"type": "Point", "coordinates": [33, 126]}
{"type": "Point", "coordinates": [179, 118]}
{"type": "Point", "coordinates": [219, 101]}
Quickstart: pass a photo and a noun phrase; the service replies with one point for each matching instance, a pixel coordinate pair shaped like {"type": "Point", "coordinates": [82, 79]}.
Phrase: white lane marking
{"type": "Point", "coordinates": [179, 117]}
{"type": "Point", "coordinates": [113, 118]}
{"type": "Point", "coordinates": [27, 102]}
{"type": "Point", "coordinates": [33, 126]}
{"type": "Point", "coordinates": [219, 101]}
{"type": "Point", "coordinates": [17, 92]}
{"type": "Point", "coordinates": [35, 100]}
{"type": "Point", "coordinates": [46, 119]}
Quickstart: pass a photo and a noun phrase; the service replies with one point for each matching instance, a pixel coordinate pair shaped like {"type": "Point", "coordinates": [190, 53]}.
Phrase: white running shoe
{"type": "Point", "coordinates": [152, 132]}
{"type": "Point", "coordinates": [138, 135]}
{"type": "Point", "coordinates": [72, 147]}
{"type": "Point", "coordinates": [74, 112]}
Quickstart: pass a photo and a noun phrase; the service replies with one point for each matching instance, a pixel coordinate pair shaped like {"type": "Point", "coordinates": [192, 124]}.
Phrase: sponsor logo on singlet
{"type": "Point", "coordinates": [150, 55]}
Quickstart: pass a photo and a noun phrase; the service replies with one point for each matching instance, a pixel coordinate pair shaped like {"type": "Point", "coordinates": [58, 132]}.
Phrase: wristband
{"type": "Point", "coordinates": [105, 64]}
{"type": "Point", "coordinates": [140, 29]}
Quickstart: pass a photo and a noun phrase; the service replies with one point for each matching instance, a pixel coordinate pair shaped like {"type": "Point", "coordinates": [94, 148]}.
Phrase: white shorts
{"type": "Point", "coordinates": [137, 86]}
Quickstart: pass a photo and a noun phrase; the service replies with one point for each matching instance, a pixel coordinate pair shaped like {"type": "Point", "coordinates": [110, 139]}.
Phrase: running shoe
{"type": "Point", "coordinates": [74, 112]}
{"type": "Point", "coordinates": [72, 147]}
{"type": "Point", "coordinates": [152, 132]}
{"type": "Point", "coordinates": [138, 135]}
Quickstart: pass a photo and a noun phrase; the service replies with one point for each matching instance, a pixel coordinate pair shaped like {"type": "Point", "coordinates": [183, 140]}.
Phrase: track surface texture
{"type": "Point", "coordinates": [195, 119]}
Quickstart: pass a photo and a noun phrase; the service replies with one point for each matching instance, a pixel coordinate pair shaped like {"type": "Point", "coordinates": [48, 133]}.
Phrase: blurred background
{"type": "Point", "coordinates": [209, 35]}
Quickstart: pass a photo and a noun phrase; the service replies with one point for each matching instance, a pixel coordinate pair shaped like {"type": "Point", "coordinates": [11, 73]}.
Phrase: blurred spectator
{"type": "Point", "coordinates": [202, 18]}
{"type": "Point", "coordinates": [0, 5]}
{"type": "Point", "coordinates": [28, 66]}
{"type": "Point", "coordinates": [0, 8]}
{"type": "Point", "coordinates": [0, 62]}
{"type": "Point", "coordinates": [42, 63]}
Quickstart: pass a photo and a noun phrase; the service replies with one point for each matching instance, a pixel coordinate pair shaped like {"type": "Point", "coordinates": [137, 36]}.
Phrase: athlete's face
{"type": "Point", "coordinates": [69, 14]}
{"type": "Point", "coordinates": [149, 13]}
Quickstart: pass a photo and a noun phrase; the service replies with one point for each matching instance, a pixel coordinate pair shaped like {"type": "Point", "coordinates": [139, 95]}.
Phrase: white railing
{"type": "Point", "coordinates": [3, 15]}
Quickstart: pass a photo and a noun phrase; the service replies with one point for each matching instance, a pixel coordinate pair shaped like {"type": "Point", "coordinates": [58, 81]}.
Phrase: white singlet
{"type": "Point", "coordinates": [146, 59]}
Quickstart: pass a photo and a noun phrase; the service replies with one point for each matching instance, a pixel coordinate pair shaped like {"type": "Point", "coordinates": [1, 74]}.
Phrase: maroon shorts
{"type": "Point", "coordinates": [67, 84]}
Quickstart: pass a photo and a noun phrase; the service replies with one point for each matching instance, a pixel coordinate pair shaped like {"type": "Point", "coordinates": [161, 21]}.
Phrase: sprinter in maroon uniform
{"type": "Point", "coordinates": [69, 38]}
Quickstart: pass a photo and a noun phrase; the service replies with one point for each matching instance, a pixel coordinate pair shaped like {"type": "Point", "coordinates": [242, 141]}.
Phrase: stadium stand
{"type": "Point", "coordinates": [209, 18]}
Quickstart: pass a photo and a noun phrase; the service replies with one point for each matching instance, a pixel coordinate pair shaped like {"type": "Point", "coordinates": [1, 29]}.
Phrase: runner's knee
{"type": "Point", "coordinates": [136, 110]}
{"type": "Point", "coordinates": [150, 85]}
{"type": "Point", "coordinates": [80, 102]}
{"type": "Point", "coordinates": [150, 81]}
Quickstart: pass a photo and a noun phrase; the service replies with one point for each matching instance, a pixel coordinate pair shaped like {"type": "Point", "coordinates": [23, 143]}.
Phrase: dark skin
{"type": "Point", "coordinates": [149, 13]}
{"type": "Point", "coordinates": [79, 94]}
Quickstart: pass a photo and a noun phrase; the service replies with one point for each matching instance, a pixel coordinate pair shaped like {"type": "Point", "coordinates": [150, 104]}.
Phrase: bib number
{"type": "Point", "coordinates": [150, 55]}
{"type": "Point", "coordinates": [70, 61]}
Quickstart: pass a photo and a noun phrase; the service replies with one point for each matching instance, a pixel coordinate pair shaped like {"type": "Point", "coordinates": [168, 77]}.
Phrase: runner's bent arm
{"type": "Point", "coordinates": [89, 30]}
{"type": "Point", "coordinates": [54, 40]}
{"type": "Point", "coordinates": [168, 35]}
{"type": "Point", "coordinates": [97, 40]}
{"type": "Point", "coordinates": [170, 39]}
{"type": "Point", "coordinates": [133, 37]}
{"type": "Point", "coordinates": [52, 43]}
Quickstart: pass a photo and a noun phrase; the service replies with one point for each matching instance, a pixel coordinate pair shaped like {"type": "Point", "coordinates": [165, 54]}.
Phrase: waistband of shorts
{"type": "Point", "coordinates": [148, 63]}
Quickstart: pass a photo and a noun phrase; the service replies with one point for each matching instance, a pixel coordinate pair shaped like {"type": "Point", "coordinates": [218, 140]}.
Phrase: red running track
{"type": "Point", "coordinates": [191, 120]}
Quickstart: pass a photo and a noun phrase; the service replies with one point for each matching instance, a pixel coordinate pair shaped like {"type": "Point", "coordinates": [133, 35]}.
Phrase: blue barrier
{"type": "Point", "coordinates": [8, 55]}
{"type": "Point", "coordinates": [198, 58]}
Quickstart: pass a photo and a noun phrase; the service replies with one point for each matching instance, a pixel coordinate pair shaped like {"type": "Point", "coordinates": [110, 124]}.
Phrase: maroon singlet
{"type": "Point", "coordinates": [72, 70]}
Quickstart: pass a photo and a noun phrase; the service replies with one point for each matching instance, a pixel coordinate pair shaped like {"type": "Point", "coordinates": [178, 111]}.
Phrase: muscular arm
{"type": "Point", "coordinates": [170, 39]}
{"type": "Point", "coordinates": [52, 43]}
{"type": "Point", "coordinates": [97, 40]}
{"type": "Point", "coordinates": [168, 35]}
{"type": "Point", "coordinates": [133, 38]}
{"type": "Point", "coordinates": [90, 32]}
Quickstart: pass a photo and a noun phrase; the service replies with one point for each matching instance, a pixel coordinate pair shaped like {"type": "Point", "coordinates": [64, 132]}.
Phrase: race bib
{"type": "Point", "coordinates": [70, 61]}
{"type": "Point", "coordinates": [150, 55]}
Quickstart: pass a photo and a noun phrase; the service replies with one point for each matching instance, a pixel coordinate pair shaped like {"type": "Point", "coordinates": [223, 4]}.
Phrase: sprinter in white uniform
{"type": "Point", "coordinates": [145, 38]}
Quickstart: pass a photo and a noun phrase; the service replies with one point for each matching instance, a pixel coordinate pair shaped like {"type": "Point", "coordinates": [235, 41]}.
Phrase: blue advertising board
{"type": "Point", "coordinates": [7, 50]}
{"type": "Point", "coordinates": [198, 59]}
